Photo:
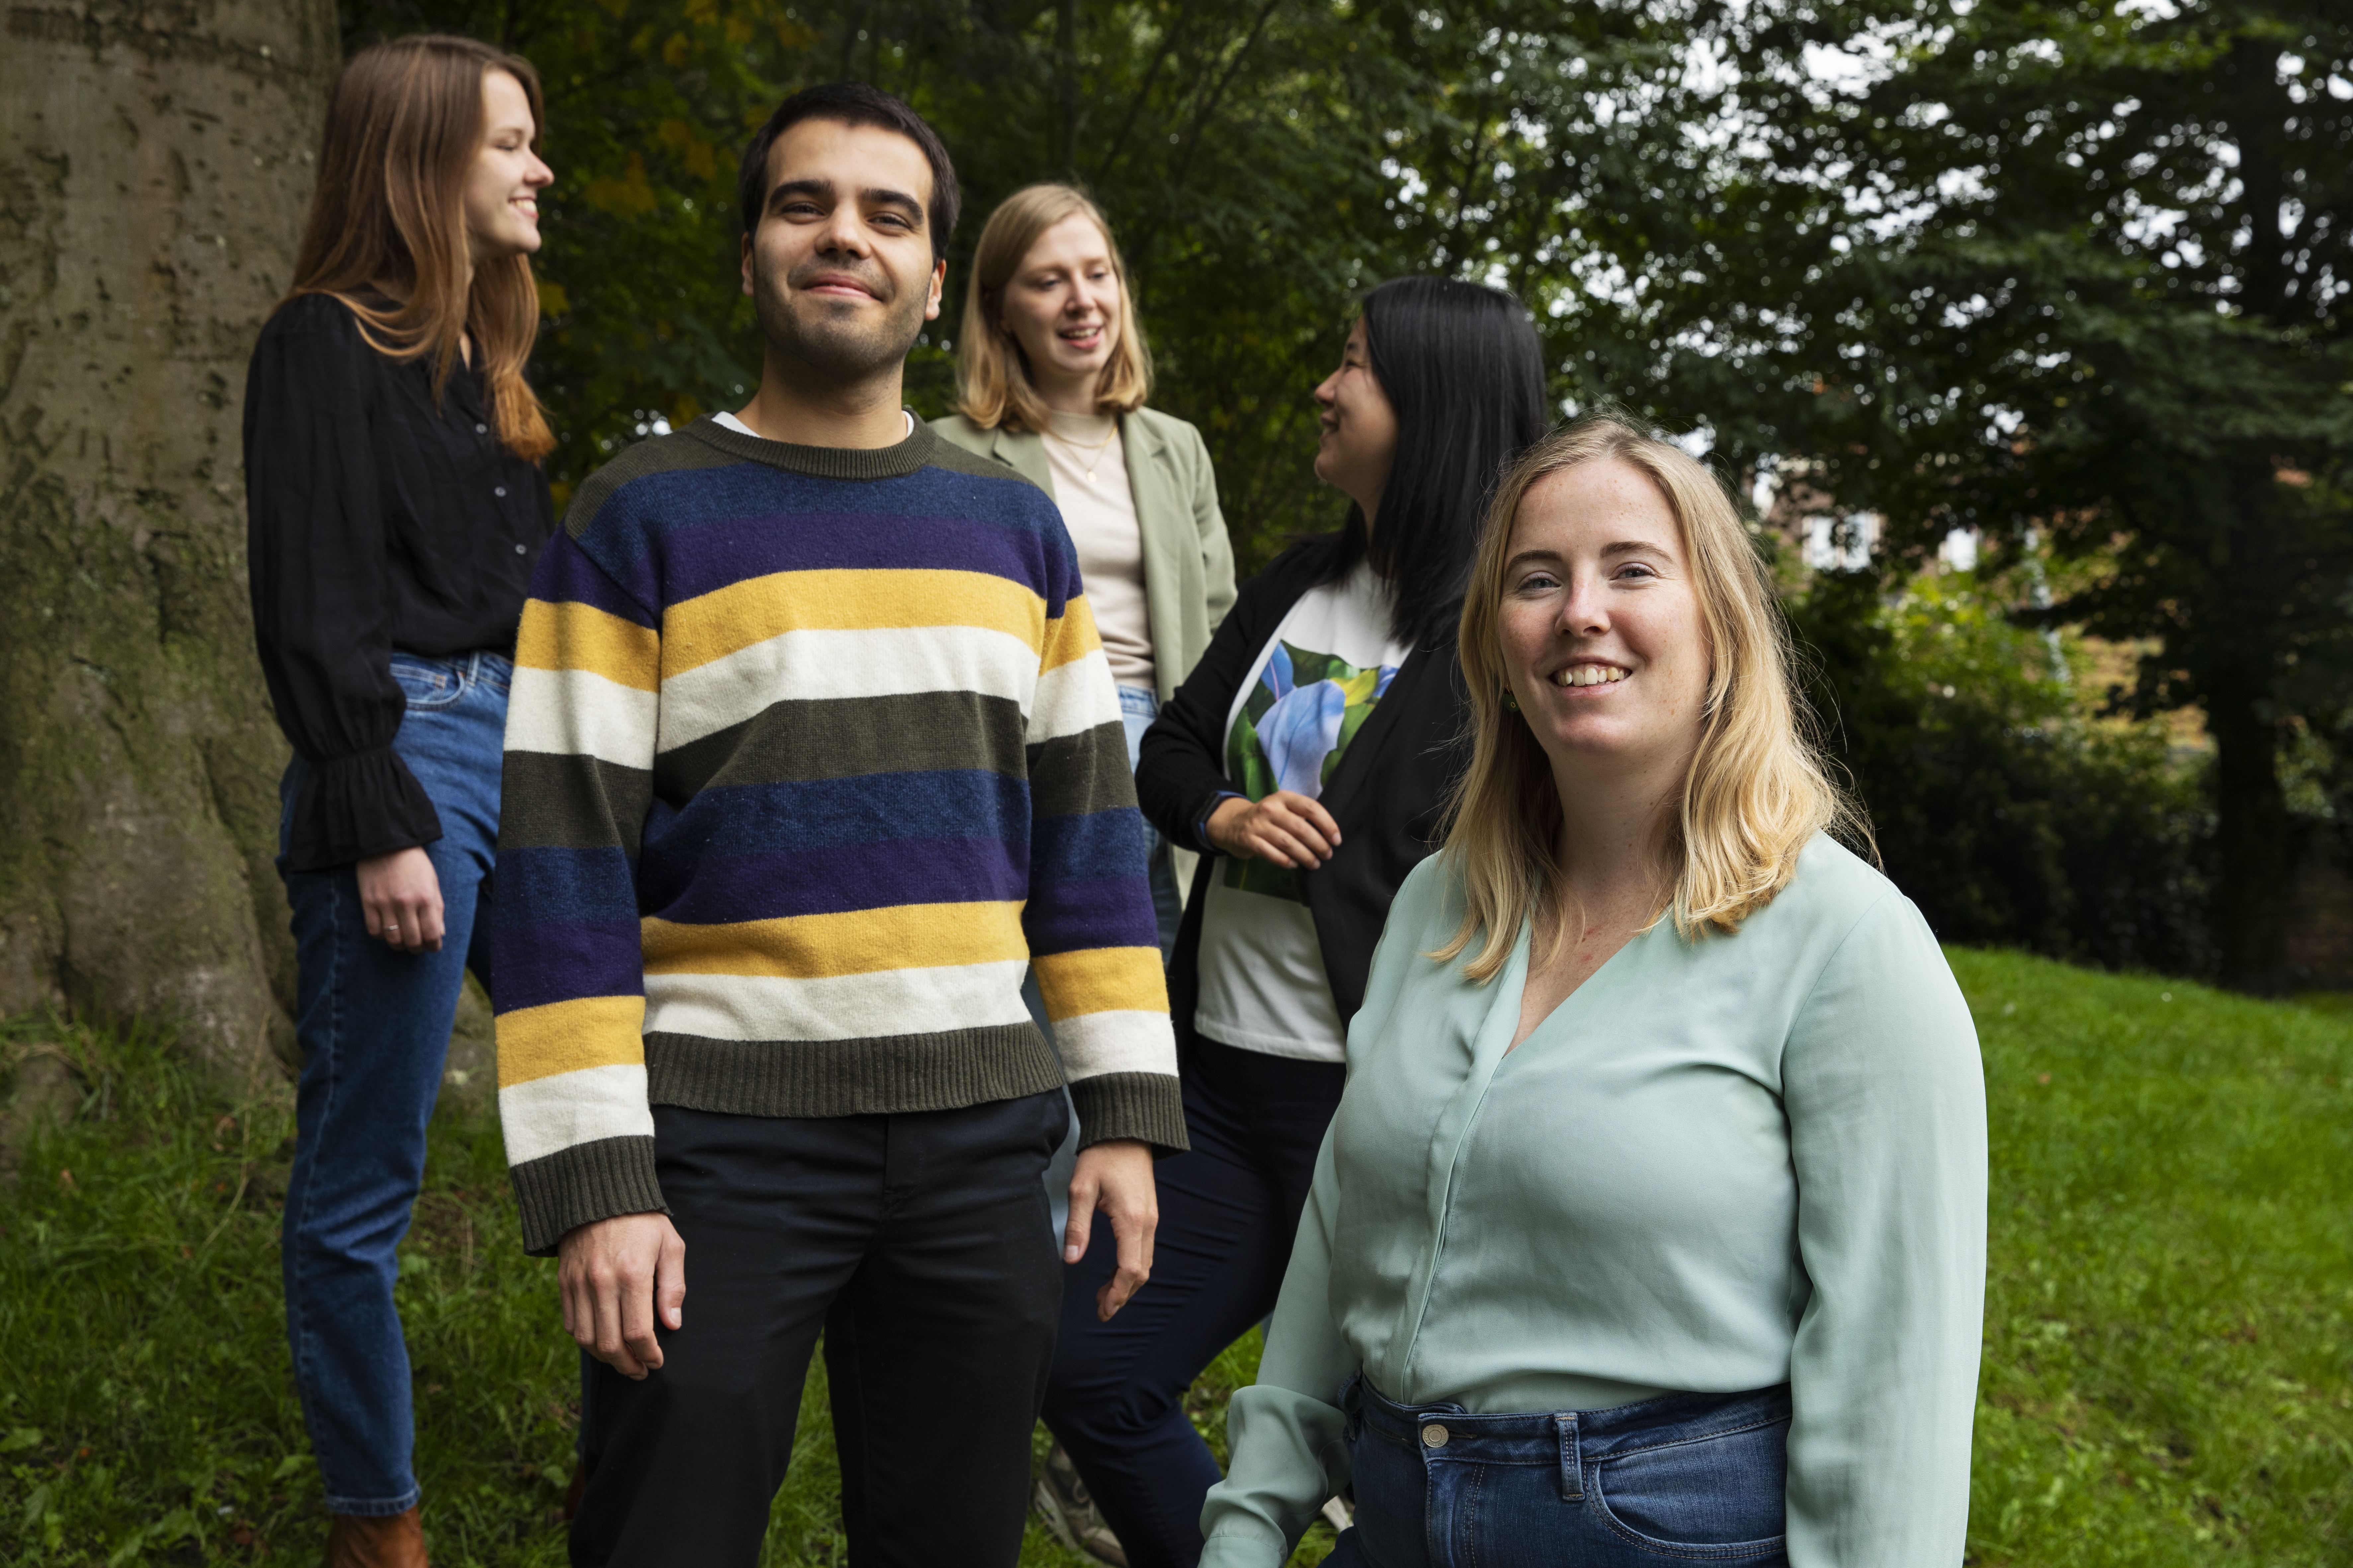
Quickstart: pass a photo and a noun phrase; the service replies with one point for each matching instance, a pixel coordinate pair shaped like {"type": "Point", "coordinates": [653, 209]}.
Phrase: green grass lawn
{"type": "Point", "coordinates": [2169, 1369]}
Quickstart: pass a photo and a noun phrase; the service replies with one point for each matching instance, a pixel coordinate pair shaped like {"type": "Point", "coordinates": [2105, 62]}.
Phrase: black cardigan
{"type": "Point", "coordinates": [1386, 795]}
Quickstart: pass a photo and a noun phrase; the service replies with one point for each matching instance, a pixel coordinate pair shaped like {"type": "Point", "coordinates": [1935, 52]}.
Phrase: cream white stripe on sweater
{"type": "Point", "coordinates": [582, 1106]}
{"type": "Point", "coordinates": [835, 1007]}
{"type": "Point", "coordinates": [574, 713]}
{"type": "Point", "coordinates": [823, 665]}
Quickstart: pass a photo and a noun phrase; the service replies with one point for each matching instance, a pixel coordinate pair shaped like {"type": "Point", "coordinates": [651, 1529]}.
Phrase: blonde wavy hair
{"type": "Point", "coordinates": [1758, 789]}
{"type": "Point", "coordinates": [993, 383]}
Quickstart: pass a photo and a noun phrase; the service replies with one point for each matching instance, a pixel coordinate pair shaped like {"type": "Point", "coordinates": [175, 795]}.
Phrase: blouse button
{"type": "Point", "coordinates": [519, 551]}
{"type": "Point", "coordinates": [1433, 1436]}
{"type": "Point", "coordinates": [481, 429]}
{"type": "Point", "coordinates": [499, 491]}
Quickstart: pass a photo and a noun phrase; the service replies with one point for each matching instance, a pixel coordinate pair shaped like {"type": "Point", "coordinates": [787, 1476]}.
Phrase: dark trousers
{"type": "Point", "coordinates": [1229, 1209]}
{"type": "Point", "coordinates": [918, 1243]}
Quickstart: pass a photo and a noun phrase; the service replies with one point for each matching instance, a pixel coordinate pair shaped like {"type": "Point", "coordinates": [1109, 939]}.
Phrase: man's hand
{"type": "Point", "coordinates": [614, 1274]}
{"type": "Point", "coordinates": [1286, 829]}
{"type": "Point", "coordinates": [1116, 1176]}
{"type": "Point", "coordinates": [400, 897]}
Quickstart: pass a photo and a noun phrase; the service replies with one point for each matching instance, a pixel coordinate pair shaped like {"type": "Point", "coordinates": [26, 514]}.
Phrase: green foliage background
{"type": "Point", "coordinates": [2000, 804]}
{"type": "Point", "coordinates": [1999, 267]}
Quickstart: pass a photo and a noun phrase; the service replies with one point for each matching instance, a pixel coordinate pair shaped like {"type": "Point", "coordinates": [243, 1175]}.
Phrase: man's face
{"type": "Point", "coordinates": [840, 266]}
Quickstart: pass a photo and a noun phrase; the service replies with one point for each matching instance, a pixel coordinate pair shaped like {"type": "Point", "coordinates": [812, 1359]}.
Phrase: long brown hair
{"type": "Point", "coordinates": [992, 373]}
{"type": "Point", "coordinates": [388, 218]}
{"type": "Point", "coordinates": [1758, 789]}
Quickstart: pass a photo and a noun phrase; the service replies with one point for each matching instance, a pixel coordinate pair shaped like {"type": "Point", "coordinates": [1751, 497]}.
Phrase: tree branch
{"type": "Point", "coordinates": [1201, 119]}
{"type": "Point", "coordinates": [1135, 105]}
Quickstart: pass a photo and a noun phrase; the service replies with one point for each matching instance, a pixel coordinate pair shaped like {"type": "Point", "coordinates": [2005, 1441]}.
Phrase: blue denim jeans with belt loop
{"type": "Point", "coordinates": [1138, 707]}
{"type": "Point", "coordinates": [1685, 1478]}
{"type": "Point", "coordinates": [374, 1024]}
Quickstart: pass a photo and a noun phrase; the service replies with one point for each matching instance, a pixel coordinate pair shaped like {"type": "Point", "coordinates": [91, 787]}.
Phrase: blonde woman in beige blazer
{"type": "Point", "coordinates": [1053, 371]}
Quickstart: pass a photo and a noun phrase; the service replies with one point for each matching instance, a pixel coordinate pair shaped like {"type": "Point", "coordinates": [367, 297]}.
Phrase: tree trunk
{"type": "Point", "coordinates": [155, 161]}
{"type": "Point", "coordinates": [1065, 158]}
{"type": "Point", "coordinates": [2250, 835]}
{"type": "Point", "coordinates": [2251, 900]}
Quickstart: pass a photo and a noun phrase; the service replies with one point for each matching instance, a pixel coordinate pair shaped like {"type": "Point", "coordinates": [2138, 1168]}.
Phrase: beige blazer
{"type": "Point", "coordinates": [1188, 563]}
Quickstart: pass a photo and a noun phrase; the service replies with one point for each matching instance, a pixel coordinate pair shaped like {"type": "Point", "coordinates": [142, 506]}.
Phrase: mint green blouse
{"type": "Point", "coordinates": [1718, 1165]}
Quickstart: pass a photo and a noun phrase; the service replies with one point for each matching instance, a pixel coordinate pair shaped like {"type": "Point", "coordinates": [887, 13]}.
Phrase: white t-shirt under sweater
{"type": "Point", "coordinates": [1083, 452]}
{"type": "Point", "coordinates": [729, 422]}
{"type": "Point", "coordinates": [1263, 987]}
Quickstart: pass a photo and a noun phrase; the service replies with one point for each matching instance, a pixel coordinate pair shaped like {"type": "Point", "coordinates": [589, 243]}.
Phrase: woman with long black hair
{"type": "Point", "coordinates": [397, 506]}
{"type": "Point", "coordinates": [1307, 758]}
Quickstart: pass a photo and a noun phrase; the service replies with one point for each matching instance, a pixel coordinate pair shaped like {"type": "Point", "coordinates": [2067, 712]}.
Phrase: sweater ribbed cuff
{"type": "Point", "coordinates": [582, 1184]}
{"type": "Point", "coordinates": [1149, 1106]}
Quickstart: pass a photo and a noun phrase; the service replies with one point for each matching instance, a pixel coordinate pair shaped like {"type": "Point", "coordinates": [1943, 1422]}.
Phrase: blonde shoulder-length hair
{"type": "Point", "coordinates": [1758, 790]}
{"type": "Point", "coordinates": [993, 382]}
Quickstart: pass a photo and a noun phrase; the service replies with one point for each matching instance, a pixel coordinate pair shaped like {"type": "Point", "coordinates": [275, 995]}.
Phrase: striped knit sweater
{"type": "Point", "coordinates": [812, 752]}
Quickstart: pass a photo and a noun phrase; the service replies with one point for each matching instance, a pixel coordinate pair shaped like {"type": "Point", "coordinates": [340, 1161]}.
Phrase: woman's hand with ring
{"type": "Point", "coordinates": [400, 897]}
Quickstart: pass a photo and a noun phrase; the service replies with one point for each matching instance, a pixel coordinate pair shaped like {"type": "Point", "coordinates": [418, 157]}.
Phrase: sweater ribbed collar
{"type": "Point", "coordinates": [895, 461]}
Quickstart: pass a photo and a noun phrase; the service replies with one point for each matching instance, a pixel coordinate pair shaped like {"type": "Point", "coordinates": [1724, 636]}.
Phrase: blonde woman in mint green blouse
{"type": "Point", "coordinates": [1651, 1225]}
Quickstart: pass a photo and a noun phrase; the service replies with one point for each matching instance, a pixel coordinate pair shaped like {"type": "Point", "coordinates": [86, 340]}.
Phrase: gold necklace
{"type": "Point", "coordinates": [1094, 454]}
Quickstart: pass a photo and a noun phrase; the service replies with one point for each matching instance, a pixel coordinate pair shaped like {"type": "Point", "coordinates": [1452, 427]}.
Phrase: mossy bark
{"type": "Point", "coordinates": [155, 161]}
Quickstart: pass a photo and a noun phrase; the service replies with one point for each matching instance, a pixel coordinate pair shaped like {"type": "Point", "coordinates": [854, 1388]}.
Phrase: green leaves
{"type": "Point", "coordinates": [2072, 271]}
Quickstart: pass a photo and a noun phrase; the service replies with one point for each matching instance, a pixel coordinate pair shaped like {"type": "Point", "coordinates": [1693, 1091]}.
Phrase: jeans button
{"type": "Point", "coordinates": [1433, 1436]}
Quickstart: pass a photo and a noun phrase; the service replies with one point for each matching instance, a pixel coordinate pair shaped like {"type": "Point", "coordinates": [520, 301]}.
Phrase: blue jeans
{"type": "Point", "coordinates": [373, 1024]}
{"type": "Point", "coordinates": [1138, 707]}
{"type": "Point", "coordinates": [1229, 1211]}
{"type": "Point", "coordinates": [1688, 1478]}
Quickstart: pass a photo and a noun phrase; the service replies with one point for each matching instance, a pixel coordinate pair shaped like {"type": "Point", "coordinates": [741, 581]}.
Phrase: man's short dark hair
{"type": "Point", "coordinates": [851, 103]}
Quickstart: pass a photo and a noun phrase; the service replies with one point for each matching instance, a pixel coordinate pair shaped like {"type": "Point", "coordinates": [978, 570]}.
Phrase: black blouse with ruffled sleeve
{"type": "Point", "coordinates": [375, 521]}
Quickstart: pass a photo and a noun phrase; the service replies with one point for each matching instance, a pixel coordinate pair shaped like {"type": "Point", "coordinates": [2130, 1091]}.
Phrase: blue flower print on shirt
{"type": "Point", "coordinates": [1290, 734]}
{"type": "Point", "coordinates": [1298, 731]}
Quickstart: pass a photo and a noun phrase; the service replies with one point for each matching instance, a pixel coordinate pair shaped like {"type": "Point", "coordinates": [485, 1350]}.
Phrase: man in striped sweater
{"type": "Point", "coordinates": [812, 754]}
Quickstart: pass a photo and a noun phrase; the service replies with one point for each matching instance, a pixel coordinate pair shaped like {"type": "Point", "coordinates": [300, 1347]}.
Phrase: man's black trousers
{"type": "Point", "coordinates": [919, 1242]}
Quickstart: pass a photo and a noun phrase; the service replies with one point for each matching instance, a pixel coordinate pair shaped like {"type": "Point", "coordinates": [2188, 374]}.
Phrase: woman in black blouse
{"type": "Point", "coordinates": [397, 506]}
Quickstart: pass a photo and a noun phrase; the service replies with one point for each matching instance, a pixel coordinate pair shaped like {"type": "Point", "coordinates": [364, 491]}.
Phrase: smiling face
{"type": "Point", "coordinates": [503, 188]}
{"type": "Point", "coordinates": [1062, 306]}
{"type": "Point", "coordinates": [1360, 427]}
{"type": "Point", "coordinates": [1600, 623]}
{"type": "Point", "coordinates": [840, 267]}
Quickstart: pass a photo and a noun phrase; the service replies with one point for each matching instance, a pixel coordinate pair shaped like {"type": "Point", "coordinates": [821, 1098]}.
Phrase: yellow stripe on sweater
{"type": "Point", "coordinates": [1101, 980]}
{"type": "Point", "coordinates": [566, 635]}
{"type": "Point", "coordinates": [731, 619]}
{"type": "Point", "coordinates": [856, 942]}
{"type": "Point", "coordinates": [564, 1037]}
{"type": "Point", "coordinates": [1069, 636]}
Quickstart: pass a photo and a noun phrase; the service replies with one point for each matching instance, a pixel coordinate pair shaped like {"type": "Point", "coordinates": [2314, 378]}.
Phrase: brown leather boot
{"type": "Point", "coordinates": [397, 1541]}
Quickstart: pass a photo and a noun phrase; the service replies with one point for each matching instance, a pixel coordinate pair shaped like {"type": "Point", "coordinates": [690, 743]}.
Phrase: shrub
{"type": "Point", "coordinates": [2010, 816]}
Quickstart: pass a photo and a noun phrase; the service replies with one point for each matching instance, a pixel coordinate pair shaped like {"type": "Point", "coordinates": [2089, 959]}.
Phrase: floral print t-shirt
{"type": "Point", "coordinates": [1262, 982]}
